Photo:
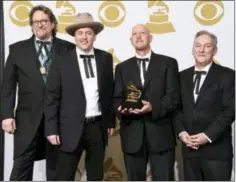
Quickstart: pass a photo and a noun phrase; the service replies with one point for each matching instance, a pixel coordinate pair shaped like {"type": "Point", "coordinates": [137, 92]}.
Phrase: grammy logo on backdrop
{"type": "Point", "coordinates": [159, 18]}
{"type": "Point", "coordinates": [133, 97]}
{"type": "Point", "coordinates": [67, 12]}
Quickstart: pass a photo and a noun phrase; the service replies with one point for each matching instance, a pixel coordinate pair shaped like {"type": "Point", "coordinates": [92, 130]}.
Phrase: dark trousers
{"type": "Point", "coordinates": [162, 164]}
{"type": "Point", "coordinates": [23, 165]}
{"type": "Point", "coordinates": [196, 169]}
{"type": "Point", "coordinates": [92, 141]}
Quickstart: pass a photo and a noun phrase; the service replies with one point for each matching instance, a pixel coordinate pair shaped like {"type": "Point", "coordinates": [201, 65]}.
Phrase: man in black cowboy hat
{"type": "Point", "coordinates": [79, 107]}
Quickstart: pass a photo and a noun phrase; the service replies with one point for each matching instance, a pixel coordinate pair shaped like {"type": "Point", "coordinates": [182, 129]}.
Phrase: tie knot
{"type": "Point", "coordinates": [142, 60]}
{"type": "Point", "coordinates": [200, 72]}
{"type": "Point", "coordinates": [86, 56]}
{"type": "Point", "coordinates": [43, 42]}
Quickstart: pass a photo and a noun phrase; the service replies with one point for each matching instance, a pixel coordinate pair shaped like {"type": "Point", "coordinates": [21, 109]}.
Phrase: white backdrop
{"type": "Point", "coordinates": [175, 25]}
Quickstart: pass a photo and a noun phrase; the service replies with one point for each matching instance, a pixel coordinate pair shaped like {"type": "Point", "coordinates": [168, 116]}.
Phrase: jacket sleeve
{"type": "Point", "coordinates": [8, 87]}
{"type": "Point", "coordinates": [52, 99]}
{"type": "Point", "coordinates": [118, 95]}
{"type": "Point", "coordinates": [110, 87]}
{"type": "Point", "coordinates": [227, 115]}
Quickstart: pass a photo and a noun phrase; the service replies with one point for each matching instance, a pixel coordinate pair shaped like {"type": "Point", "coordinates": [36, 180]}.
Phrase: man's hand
{"type": "Point", "coordinates": [185, 138]}
{"type": "Point", "coordinates": [9, 125]}
{"type": "Point", "coordinates": [199, 139]}
{"type": "Point", "coordinates": [147, 107]}
{"type": "Point", "coordinates": [124, 111]}
{"type": "Point", "coordinates": [54, 139]}
{"type": "Point", "coordinates": [110, 131]}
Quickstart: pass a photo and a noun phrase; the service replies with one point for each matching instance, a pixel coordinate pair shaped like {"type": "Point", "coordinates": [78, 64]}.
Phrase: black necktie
{"type": "Point", "coordinates": [143, 62]}
{"type": "Point", "coordinates": [197, 80]}
{"type": "Point", "coordinates": [43, 44]}
{"type": "Point", "coordinates": [88, 65]}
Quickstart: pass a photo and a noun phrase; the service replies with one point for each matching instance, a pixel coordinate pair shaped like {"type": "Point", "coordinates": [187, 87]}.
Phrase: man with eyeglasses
{"type": "Point", "coordinates": [27, 67]}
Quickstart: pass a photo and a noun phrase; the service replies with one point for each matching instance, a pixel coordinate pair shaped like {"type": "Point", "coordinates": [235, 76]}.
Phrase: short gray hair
{"type": "Point", "coordinates": [205, 32]}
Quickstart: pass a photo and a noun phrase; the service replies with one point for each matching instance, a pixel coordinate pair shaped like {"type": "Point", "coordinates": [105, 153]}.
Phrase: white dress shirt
{"type": "Point", "coordinates": [90, 85]}
{"type": "Point", "coordinates": [147, 56]}
{"type": "Point", "coordinates": [203, 77]}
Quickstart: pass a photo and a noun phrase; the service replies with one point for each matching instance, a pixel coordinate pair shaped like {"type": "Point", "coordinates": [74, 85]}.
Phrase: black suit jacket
{"type": "Point", "coordinates": [22, 68]}
{"type": "Point", "coordinates": [161, 88]}
{"type": "Point", "coordinates": [65, 109]}
{"type": "Point", "coordinates": [212, 113]}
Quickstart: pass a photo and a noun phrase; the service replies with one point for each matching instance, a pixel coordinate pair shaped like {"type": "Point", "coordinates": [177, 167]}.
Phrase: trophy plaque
{"type": "Point", "coordinates": [133, 97]}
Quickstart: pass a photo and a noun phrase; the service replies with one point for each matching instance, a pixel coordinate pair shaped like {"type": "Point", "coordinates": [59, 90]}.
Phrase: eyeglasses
{"type": "Point", "coordinates": [42, 22]}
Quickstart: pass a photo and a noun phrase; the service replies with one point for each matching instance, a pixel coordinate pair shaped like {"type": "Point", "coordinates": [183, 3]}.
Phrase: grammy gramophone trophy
{"type": "Point", "coordinates": [133, 97]}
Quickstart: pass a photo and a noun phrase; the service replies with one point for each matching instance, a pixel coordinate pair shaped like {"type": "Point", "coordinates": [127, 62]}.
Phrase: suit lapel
{"type": "Point", "coordinates": [207, 82]}
{"type": "Point", "coordinates": [190, 86]}
{"type": "Point", "coordinates": [100, 66]}
{"type": "Point", "coordinates": [152, 69]}
{"type": "Point", "coordinates": [135, 73]}
{"type": "Point", "coordinates": [32, 61]}
{"type": "Point", "coordinates": [75, 67]}
{"type": "Point", "coordinates": [55, 47]}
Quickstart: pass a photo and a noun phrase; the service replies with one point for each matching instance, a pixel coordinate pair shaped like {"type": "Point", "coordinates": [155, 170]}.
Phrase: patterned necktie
{"type": "Point", "coordinates": [88, 65]}
{"type": "Point", "coordinates": [143, 62]}
{"type": "Point", "coordinates": [45, 60]}
{"type": "Point", "coordinates": [197, 80]}
{"type": "Point", "coordinates": [43, 45]}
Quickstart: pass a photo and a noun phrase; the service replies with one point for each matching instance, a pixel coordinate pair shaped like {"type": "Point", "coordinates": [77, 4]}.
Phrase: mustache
{"type": "Point", "coordinates": [41, 28]}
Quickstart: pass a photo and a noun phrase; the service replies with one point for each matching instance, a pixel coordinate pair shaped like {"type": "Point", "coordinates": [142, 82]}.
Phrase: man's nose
{"type": "Point", "coordinates": [201, 49]}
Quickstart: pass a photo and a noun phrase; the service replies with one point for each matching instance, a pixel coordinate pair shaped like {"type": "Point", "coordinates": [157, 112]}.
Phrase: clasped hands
{"type": "Point", "coordinates": [147, 107]}
{"type": "Point", "coordinates": [193, 141]}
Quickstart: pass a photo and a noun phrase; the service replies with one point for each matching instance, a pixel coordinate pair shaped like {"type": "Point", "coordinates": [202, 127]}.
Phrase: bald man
{"type": "Point", "coordinates": [147, 132]}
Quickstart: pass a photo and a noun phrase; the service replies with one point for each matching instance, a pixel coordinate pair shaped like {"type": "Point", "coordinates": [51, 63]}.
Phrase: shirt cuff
{"type": "Point", "coordinates": [209, 140]}
{"type": "Point", "coordinates": [180, 134]}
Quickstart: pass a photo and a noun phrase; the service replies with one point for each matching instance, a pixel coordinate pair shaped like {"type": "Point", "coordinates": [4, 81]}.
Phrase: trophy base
{"type": "Point", "coordinates": [132, 105]}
